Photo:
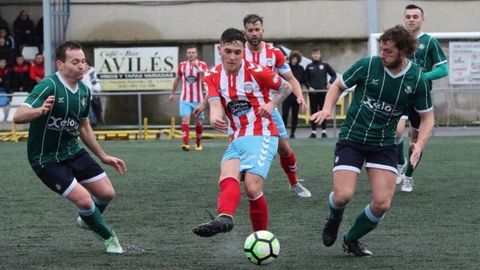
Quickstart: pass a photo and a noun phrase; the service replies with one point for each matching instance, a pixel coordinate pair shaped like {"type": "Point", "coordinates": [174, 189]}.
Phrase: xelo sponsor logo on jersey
{"type": "Point", "coordinates": [60, 123]}
{"type": "Point", "coordinates": [375, 104]}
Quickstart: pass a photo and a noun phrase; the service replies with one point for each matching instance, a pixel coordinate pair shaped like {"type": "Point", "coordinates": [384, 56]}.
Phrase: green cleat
{"type": "Point", "coordinates": [112, 245]}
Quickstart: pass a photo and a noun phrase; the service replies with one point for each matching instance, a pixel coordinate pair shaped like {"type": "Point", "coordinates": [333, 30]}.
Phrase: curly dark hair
{"type": "Point", "coordinates": [404, 41]}
{"type": "Point", "coordinates": [294, 54]}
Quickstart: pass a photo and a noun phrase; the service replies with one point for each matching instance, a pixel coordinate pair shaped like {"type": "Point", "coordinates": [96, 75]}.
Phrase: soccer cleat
{"type": "Point", "coordinates": [324, 135]}
{"type": "Point", "coordinates": [301, 191]}
{"type": "Point", "coordinates": [408, 184]}
{"type": "Point", "coordinates": [186, 147]}
{"type": "Point", "coordinates": [220, 224]}
{"type": "Point", "coordinates": [313, 135]}
{"type": "Point", "coordinates": [198, 147]}
{"type": "Point", "coordinates": [112, 245]}
{"type": "Point", "coordinates": [82, 224]}
{"type": "Point", "coordinates": [330, 230]}
{"type": "Point", "coordinates": [292, 136]}
{"type": "Point", "coordinates": [356, 248]}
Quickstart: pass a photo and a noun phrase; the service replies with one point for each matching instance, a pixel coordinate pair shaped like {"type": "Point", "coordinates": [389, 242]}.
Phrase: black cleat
{"type": "Point", "coordinates": [330, 230]}
{"type": "Point", "coordinates": [313, 135]}
{"type": "Point", "coordinates": [220, 224]}
{"type": "Point", "coordinates": [324, 135]}
{"type": "Point", "coordinates": [356, 248]}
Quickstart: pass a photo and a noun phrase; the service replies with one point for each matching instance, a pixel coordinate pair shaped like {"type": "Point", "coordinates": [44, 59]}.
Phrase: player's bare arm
{"type": "Point", "coordinates": [88, 138]}
{"type": "Point", "coordinates": [331, 98]}
{"type": "Point", "coordinates": [296, 90]}
{"type": "Point", "coordinates": [26, 114]}
{"type": "Point", "coordinates": [216, 116]}
{"type": "Point", "coordinates": [424, 133]}
{"type": "Point", "coordinates": [279, 96]}
{"type": "Point", "coordinates": [174, 88]}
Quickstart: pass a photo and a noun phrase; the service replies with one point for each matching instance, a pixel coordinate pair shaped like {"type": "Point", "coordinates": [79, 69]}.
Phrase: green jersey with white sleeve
{"type": "Point", "coordinates": [379, 100]}
{"type": "Point", "coordinates": [53, 137]}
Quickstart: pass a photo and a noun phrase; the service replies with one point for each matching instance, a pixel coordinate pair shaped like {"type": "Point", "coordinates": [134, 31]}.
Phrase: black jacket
{"type": "Point", "coordinates": [316, 75]}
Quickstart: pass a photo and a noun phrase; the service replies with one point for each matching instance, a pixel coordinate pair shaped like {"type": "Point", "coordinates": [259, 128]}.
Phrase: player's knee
{"type": "Point", "coordinates": [379, 207]}
{"type": "Point", "coordinates": [283, 149]}
{"type": "Point", "coordinates": [84, 202]}
{"type": "Point", "coordinates": [342, 198]}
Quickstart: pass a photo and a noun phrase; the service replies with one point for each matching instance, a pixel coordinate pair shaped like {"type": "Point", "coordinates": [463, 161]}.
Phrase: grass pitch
{"type": "Point", "coordinates": [167, 191]}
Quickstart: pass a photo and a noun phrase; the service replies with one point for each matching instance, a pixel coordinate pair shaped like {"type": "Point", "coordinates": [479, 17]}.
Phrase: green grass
{"type": "Point", "coordinates": [166, 192]}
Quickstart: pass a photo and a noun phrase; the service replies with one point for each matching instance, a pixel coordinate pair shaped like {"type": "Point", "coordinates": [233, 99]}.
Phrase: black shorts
{"type": "Point", "coordinates": [351, 156]}
{"type": "Point", "coordinates": [412, 115]}
{"type": "Point", "coordinates": [63, 176]}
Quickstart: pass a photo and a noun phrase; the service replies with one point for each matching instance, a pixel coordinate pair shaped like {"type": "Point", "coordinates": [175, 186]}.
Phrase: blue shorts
{"type": "Point", "coordinates": [351, 156]}
{"type": "Point", "coordinates": [63, 176]}
{"type": "Point", "coordinates": [255, 153]}
{"type": "Point", "coordinates": [277, 118]}
{"type": "Point", "coordinates": [186, 109]}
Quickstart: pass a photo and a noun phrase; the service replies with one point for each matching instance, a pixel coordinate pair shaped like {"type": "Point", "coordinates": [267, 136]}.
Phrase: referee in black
{"type": "Point", "coordinates": [316, 79]}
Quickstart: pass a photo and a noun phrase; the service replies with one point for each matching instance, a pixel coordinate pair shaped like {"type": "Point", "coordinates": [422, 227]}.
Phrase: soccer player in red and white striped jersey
{"type": "Point", "coordinates": [265, 54]}
{"type": "Point", "coordinates": [191, 73]}
{"type": "Point", "coordinates": [242, 92]}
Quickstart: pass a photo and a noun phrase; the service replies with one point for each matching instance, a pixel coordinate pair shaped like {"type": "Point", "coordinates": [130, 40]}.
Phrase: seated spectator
{"type": "Point", "coordinates": [4, 76]}
{"type": "Point", "coordinates": [37, 69]}
{"type": "Point", "coordinates": [20, 80]}
{"type": "Point", "coordinates": [4, 24]}
{"type": "Point", "coordinates": [39, 35]}
{"type": "Point", "coordinates": [8, 38]}
{"type": "Point", "coordinates": [6, 52]}
{"type": "Point", "coordinates": [23, 29]}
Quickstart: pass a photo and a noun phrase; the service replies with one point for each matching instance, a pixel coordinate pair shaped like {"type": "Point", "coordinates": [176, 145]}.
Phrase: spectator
{"type": "Point", "coordinates": [4, 76]}
{"type": "Point", "coordinates": [20, 75]}
{"type": "Point", "coordinates": [316, 79]}
{"type": "Point", "coordinates": [4, 33]}
{"type": "Point", "coordinates": [37, 69]}
{"type": "Point", "coordinates": [90, 79]}
{"type": "Point", "coordinates": [39, 35]}
{"type": "Point", "coordinates": [23, 29]}
{"type": "Point", "coordinates": [291, 102]}
{"type": "Point", "coordinates": [4, 24]}
{"type": "Point", "coordinates": [6, 52]}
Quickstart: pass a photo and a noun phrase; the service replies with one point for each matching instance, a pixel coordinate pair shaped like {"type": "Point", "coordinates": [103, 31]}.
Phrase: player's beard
{"type": "Point", "coordinates": [254, 41]}
{"type": "Point", "coordinates": [393, 65]}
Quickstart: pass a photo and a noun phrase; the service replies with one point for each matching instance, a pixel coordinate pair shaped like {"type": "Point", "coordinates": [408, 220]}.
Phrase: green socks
{"type": "Point", "coordinates": [93, 218]}
{"type": "Point", "coordinates": [410, 169]}
{"type": "Point", "coordinates": [364, 224]}
{"type": "Point", "coordinates": [400, 154]}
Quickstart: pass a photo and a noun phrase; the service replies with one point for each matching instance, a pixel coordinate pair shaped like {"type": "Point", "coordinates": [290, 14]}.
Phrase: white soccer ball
{"type": "Point", "coordinates": [261, 247]}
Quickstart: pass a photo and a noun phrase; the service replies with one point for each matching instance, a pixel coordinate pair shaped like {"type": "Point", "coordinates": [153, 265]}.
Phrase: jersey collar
{"type": "Point", "coordinates": [64, 82]}
{"type": "Point", "coordinates": [401, 73]}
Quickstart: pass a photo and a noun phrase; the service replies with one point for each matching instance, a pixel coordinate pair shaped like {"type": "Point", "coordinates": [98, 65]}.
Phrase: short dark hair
{"type": "Point", "coordinates": [192, 46]}
{"type": "Point", "coordinates": [404, 41]}
{"type": "Point", "coordinates": [60, 52]}
{"type": "Point", "coordinates": [252, 18]}
{"type": "Point", "coordinates": [413, 6]}
{"type": "Point", "coordinates": [232, 34]}
{"type": "Point", "coordinates": [315, 50]}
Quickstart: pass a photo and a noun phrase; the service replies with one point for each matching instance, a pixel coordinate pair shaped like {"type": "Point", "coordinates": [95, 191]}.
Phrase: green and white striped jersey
{"type": "Point", "coordinates": [379, 100]}
{"type": "Point", "coordinates": [428, 53]}
{"type": "Point", "coordinates": [53, 137]}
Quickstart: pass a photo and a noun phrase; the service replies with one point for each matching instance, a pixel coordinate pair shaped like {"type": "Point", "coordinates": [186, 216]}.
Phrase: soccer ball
{"type": "Point", "coordinates": [261, 247]}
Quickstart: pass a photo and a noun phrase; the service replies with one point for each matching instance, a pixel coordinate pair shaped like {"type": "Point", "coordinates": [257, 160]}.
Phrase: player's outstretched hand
{"type": "Point", "coordinates": [416, 152]}
{"type": "Point", "coordinates": [48, 104]}
{"type": "Point", "coordinates": [320, 116]}
{"type": "Point", "coordinates": [218, 124]}
{"type": "Point", "coordinates": [303, 104]}
{"type": "Point", "coordinates": [266, 109]}
{"type": "Point", "coordinates": [118, 164]}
